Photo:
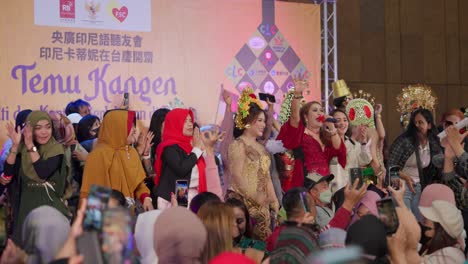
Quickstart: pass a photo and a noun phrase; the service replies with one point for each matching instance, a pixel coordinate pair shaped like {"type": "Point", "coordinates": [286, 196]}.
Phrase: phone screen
{"type": "Point", "coordinates": [181, 192]}
{"type": "Point", "coordinates": [117, 237]}
{"type": "Point", "coordinates": [394, 177]}
{"type": "Point", "coordinates": [304, 202]}
{"type": "Point", "coordinates": [356, 173]}
{"type": "Point", "coordinates": [264, 96]}
{"type": "Point", "coordinates": [97, 203]}
{"type": "Point", "coordinates": [388, 215]}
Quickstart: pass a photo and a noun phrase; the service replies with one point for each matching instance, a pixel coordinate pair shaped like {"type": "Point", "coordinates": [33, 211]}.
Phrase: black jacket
{"type": "Point", "coordinates": [176, 165]}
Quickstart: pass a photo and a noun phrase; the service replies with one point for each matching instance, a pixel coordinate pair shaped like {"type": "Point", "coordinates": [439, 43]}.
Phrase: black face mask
{"type": "Point", "coordinates": [96, 130]}
{"type": "Point", "coordinates": [424, 238]}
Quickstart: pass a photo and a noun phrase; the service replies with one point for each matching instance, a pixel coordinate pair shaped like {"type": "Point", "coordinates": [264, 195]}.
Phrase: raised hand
{"type": "Point", "coordinates": [197, 140]}
{"type": "Point", "coordinates": [227, 97]}
{"type": "Point", "coordinates": [148, 143]}
{"type": "Point", "coordinates": [378, 109]}
{"type": "Point", "coordinates": [353, 194]}
{"type": "Point", "coordinates": [300, 83]}
{"type": "Point", "coordinates": [14, 134]}
{"type": "Point", "coordinates": [28, 136]}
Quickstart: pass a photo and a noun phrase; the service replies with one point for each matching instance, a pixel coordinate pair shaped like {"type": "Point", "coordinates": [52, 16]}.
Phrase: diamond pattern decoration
{"type": "Point", "coordinates": [245, 57]}
{"type": "Point", "coordinates": [268, 58]}
{"type": "Point", "coordinates": [279, 73]}
{"type": "Point", "coordinates": [257, 73]}
{"type": "Point", "coordinates": [257, 43]}
{"type": "Point", "coordinates": [288, 84]}
{"type": "Point", "coordinates": [234, 71]}
{"type": "Point", "coordinates": [268, 31]}
{"type": "Point", "coordinates": [290, 59]}
{"type": "Point", "coordinates": [246, 81]}
{"type": "Point", "coordinates": [269, 86]}
{"type": "Point", "coordinates": [300, 70]}
{"type": "Point", "coordinates": [279, 44]}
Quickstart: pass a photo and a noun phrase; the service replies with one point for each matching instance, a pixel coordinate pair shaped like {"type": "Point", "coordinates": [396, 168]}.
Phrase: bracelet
{"type": "Point", "coordinates": [147, 197]}
{"type": "Point", "coordinates": [147, 157]}
{"type": "Point", "coordinates": [379, 116]}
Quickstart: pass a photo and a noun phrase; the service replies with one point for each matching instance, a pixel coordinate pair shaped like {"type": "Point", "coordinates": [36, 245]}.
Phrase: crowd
{"type": "Point", "coordinates": [305, 188]}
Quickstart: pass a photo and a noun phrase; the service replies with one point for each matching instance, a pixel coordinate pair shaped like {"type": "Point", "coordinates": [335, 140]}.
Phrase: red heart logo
{"type": "Point", "coordinates": [121, 14]}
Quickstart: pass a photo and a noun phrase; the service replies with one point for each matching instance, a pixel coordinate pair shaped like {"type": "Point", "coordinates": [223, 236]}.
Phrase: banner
{"type": "Point", "coordinates": [182, 57]}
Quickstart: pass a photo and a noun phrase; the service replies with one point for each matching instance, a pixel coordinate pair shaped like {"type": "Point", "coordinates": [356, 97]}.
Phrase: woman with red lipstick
{"type": "Point", "coordinates": [314, 140]}
{"type": "Point", "coordinates": [249, 166]}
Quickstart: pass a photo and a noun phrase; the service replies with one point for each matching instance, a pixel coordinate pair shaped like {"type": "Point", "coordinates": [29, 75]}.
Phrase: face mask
{"type": "Point", "coordinates": [326, 196]}
{"type": "Point", "coordinates": [96, 130]}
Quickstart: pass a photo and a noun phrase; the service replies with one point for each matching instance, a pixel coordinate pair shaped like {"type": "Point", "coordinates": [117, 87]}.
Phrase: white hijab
{"type": "Point", "coordinates": [144, 236]}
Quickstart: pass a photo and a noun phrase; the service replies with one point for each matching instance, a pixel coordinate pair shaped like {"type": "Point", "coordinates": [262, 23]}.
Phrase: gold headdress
{"type": "Point", "coordinates": [243, 105]}
{"type": "Point", "coordinates": [366, 96]}
{"type": "Point", "coordinates": [340, 89]}
{"type": "Point", "coordinates": [414, 97]}
{"type": "Point", "coordinates": [360, 112]}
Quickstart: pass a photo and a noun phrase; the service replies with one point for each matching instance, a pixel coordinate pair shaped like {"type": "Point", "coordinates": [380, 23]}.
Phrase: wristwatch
{"type": "Point", "coordinates": [33, 149]}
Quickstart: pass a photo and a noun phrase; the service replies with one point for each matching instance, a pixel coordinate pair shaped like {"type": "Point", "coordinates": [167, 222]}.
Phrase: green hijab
{"type": "Point", "coordinates": [48, 150]}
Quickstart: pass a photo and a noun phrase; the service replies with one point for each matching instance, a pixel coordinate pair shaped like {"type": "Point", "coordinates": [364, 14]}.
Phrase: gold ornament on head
{"type": "Point", "coordinates": [243, 105]}
{"type": "Point", "coordinates": [340, 89]}
{"type": "Point", "coordinates": [366, 96]}
{"type": "Point", "coordinates": [414, 97]}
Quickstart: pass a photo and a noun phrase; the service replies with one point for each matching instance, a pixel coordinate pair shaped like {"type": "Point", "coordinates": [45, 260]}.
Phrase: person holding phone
{"type": "Point", "coordinates": [179, 156]}
{"type": "Point", "coordinates": [37, 161]}
{"type": "Point", "coordinates": [413, 151]}
{"type": "Point", "coordinates": [114, 163]}
{"type": "Point", "coordinates": [315, 140]}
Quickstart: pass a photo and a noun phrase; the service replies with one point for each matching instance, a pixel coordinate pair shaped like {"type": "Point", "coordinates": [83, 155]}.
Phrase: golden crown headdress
{"type": "Point", "coordinates": [414, 97]}
{"type": "Point", "coordinates": [243, 105]}
{"type": "Point", "coordinates": [366, 96]}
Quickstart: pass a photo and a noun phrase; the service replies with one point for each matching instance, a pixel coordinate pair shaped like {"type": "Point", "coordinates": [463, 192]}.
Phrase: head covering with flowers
{"type": "Point", "coordinates": [414, 97]}
{"type": "Point", "coordinates": [247, 97]}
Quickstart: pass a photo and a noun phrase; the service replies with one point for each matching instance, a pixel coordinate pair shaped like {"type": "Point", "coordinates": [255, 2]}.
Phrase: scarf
{"type": "Point", "coordinates": [46, 151]}
{"type": "Point", "coordinates": [179, 236]}
{"type": "Point", "coordinates": [113, 163]}
{"type": "Point", "coordinates": [173, 135]}
{"type": "Point", "coordinates": [144, 232]}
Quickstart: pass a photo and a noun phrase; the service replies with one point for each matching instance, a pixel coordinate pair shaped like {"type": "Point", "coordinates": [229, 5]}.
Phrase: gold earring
{"type": "Point", "coordinates": [247, 126]}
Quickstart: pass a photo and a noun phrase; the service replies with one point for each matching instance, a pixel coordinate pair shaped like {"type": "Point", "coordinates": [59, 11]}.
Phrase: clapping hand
{"type": "Point", "coordinates": [14, 134]}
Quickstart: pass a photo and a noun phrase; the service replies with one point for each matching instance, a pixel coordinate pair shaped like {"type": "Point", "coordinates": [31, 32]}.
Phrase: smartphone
{"type": "Point", "coordinates": [117, 236]}
{"type": "Point", "coordinates": [3, 229]}
{"type": "Point", "coordinates": [73, 147]}
{"type": "Point", "coordinates": [394, 177]}
{"type": "Point", "coordinates": [264, 96]}
{"type": "Point", "coordinates": [356, 173]}
{"type": "Point", "coordinates": [303, 196]}
{"type": "Point", "coordinates": [97, 202]}
{"type": "Point", "coordinates": [89, 247]}
{"type": "Point", "coordinates": [181, 192]}
{"type": "Point", "coordinates": [388, 215]}
{"type": "Point", "coordinates": [125, 102]}
{"type": "Point", "coordinates": [331, 119]}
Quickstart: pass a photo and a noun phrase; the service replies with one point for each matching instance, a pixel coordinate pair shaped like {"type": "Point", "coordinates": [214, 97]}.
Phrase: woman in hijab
{"type": "Point", "coordinates": [181, 241]}
{"type": "Point", "coordinates": [87, 131]}
{"type": "Point", "coordinates": [179, 157]}
{"type": "Point", "coordinates": [114, 163]}
{"type": "Point", "coordinates": [366, 206]}
{"type": "Point", "coordinates": [144, 236]}
{"type": "Point", "coordinates": [37, 161]}
{"type": "Point", "coordinates": [43, 239]}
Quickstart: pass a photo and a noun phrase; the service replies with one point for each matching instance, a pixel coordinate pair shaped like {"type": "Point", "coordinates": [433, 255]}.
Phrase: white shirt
{"type": "Point", "coordinates": [195, 174]}
{"type": "Point", "coordinates": [411, 165]}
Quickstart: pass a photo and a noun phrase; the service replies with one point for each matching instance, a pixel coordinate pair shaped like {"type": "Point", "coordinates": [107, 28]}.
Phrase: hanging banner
{"type": "Point", "coordinates": [163, 53]}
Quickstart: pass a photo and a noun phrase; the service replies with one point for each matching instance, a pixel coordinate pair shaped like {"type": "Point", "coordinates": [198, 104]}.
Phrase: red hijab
{"type": "Point", "coordinates": [172, 135]}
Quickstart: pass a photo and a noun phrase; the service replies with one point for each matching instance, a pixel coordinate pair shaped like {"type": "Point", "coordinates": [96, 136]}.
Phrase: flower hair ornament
{"type": "Point", "coordinates": [414, 97]}
{"type": "Point", "coordinates": [243, 105]}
